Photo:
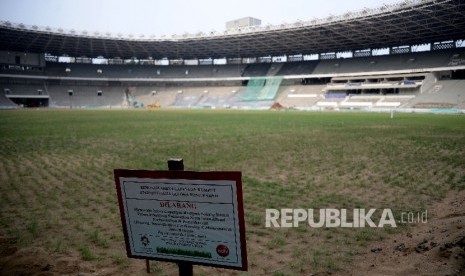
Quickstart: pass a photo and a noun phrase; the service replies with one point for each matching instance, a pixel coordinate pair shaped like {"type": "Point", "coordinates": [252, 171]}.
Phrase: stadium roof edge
{"type": "Point", "coordinates": [411, 22]}
{"type": "Point", "coordinates": [386, 8]}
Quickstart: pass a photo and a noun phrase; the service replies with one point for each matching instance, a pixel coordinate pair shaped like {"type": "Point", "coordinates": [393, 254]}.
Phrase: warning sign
{"type": "Point", "coordinates": [183, 216]}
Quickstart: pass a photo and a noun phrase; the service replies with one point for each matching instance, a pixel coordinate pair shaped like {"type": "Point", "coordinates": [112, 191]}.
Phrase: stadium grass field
{"type": "Point", "coordinates": [57, 189]}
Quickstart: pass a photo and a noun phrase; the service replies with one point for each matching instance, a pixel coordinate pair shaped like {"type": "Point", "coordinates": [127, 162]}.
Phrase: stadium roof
{"type": "Point", "coordinates": [412, 22]}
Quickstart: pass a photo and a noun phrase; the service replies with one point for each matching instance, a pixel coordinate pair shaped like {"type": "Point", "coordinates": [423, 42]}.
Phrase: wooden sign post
{"type": "Point", "coordinates": [183, 216]}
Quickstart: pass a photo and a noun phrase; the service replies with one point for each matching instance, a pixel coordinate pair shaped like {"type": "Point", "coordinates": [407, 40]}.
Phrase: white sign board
{"type": "Point", "coordinates": [183, 216]}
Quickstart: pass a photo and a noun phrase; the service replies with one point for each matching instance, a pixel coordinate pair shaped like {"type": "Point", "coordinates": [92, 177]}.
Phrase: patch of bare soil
{"type": "Point", "coordinates": [433, 248]}
{"type": "Point", "coordinates": [36, 261]}
{"type": "Point", "coordinates": [436, 247]}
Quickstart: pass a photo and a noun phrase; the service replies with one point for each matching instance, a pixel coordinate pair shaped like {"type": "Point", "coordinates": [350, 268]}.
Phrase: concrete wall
{"type": "Point", "coordinates": [20, 58]}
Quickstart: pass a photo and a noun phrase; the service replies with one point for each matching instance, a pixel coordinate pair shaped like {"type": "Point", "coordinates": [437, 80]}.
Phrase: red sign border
{"type": "Point", "coordinates": [188, 175]}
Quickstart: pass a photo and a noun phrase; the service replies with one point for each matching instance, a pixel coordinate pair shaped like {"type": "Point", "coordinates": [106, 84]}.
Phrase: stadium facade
{"type": "Point", "coordinates": [409, 56]}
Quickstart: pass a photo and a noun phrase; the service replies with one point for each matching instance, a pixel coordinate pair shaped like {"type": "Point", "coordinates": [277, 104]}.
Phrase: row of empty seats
{"type": "Point", "coordinates": [441, 94]}
{"type": "Point", "coordinates": [376, 84]}
{"type": "Point", "coordinates": [85, 96]}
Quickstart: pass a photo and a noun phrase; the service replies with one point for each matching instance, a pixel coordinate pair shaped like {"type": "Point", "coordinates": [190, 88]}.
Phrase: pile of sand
{"type": "Point", "coordinates": [436, 247]}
